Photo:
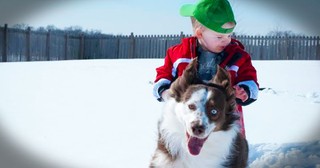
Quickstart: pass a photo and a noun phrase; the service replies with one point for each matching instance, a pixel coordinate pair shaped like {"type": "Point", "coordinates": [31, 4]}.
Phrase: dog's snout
{"type": "Point", "coordinates": [197, 128]}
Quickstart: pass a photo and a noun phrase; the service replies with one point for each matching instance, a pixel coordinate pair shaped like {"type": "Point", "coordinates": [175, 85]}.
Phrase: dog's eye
{"type": "Point", "coordinates": [192, 107]}
{"type": "Point", "coordinates": [214, 112]}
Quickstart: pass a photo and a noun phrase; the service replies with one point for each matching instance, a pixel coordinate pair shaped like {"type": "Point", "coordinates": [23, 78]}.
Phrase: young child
{"type": "Point", "coordinates": [213, 23]}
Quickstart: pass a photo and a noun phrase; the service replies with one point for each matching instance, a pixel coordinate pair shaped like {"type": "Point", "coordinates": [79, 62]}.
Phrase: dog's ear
{"type": "Point", "coordinates": [223, 79]}
{"type": "Point", "coordinates": [189, 77]}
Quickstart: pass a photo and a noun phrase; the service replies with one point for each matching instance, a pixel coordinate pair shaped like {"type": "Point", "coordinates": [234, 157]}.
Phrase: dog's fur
{"type": "Point", "coordinates": [199, 127]}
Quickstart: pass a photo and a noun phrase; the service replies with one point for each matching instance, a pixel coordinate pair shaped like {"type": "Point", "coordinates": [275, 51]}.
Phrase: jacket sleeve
{"type": "Point", "coordinates": [246, 78]}
{"type": "Point", "coordinates": [164, 76]}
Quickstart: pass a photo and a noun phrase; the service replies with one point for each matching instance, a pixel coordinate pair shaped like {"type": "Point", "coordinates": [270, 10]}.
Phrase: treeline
{"type": "Point", "coordinates": [78, 30]}
{"type": "Point", "coordinates": [71, 30]}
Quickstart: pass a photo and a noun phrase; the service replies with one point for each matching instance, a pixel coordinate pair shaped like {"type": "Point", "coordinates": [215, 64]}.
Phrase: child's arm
{"type": "Point", "coordinates": [164, 77]}
{"type": "Point", "coordinates": [247, 80]}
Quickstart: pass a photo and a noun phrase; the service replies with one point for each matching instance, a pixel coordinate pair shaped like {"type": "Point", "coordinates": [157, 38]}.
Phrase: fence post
{"type": "Point", "coordinates": [28, 47]}
{"type": "Point", "coordinates": [5, 44]}
{"type": "Point", "coordinates": [165, 45]}
{"type": "Point", "coordinates": [260, 41]}
{"type": "Point", "coordinates": [48, 45]}
{"type": "Point", "coordinates": [81, 46]}
{"type": "Point", "coordinates": [308, 47]}
{"type": "Point", "coordinates": [318, 48]}
{"type": "Point", "coordinates": [66, 46]}
{"type": "Point", "coordinates": [287, 48]}
{"type": "Point", "coordinates": [132, 46]}
{"type": "Point", "coordinates": [118, 46]}
{"type": "Point", "coordinates": [181, 35]}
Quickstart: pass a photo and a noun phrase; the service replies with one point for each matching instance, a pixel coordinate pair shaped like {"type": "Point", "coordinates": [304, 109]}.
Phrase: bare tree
{"type": "Point", "coordinates": [21, 26]}
{"type": "Point", "coordinates": [282, 33]}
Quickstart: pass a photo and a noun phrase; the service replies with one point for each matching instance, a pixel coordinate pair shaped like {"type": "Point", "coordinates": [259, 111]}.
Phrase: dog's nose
{"type": "Point", "coordinates": [197, 129]}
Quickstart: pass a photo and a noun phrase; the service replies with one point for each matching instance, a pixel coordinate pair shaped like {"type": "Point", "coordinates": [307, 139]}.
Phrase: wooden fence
{"type": "Point", "coordinates": [27, 45]}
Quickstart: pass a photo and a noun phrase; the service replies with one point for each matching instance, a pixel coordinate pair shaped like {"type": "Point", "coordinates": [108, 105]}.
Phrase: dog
{"type": "Point", "coordinates": [199, 127]}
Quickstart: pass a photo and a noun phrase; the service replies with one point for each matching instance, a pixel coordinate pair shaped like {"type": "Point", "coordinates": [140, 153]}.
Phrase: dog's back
{"type": "Point", "coordinates": [199, 126]}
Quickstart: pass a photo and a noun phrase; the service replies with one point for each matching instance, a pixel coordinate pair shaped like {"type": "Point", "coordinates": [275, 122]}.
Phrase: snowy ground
{"type": "Point", "coordinates": [101, 114]}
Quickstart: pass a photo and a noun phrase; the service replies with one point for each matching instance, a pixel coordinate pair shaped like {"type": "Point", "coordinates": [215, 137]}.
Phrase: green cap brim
{"type": "Point", "coordinates": [187, 9]}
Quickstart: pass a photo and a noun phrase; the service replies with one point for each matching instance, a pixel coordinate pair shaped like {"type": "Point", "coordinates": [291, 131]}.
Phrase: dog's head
{"type": "Point", "coordinates": [203, 107]}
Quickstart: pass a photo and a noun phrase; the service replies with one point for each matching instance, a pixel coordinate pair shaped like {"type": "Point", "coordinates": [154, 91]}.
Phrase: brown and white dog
{"type": "Point", "coordinates": [199, 126]}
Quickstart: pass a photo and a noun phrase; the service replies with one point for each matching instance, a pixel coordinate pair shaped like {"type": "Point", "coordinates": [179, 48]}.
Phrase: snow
{"type": "Point", "coordinates": [101, 113]}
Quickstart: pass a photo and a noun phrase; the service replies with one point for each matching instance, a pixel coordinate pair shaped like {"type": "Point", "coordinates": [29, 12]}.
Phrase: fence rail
{"type": "Point", "coordinates": [27, 45]}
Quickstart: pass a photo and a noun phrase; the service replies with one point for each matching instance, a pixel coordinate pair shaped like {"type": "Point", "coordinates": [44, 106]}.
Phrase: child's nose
{"type": "Point", "coordinates": [225, 40]}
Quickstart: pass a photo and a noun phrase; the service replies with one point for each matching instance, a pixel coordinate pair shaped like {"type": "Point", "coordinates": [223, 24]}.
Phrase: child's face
{"type": "Point", "coordinates": [213, 41]}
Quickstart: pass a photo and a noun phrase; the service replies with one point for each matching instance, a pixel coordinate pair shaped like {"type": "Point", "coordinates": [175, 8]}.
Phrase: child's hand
{"type": "Point", "coordinates": [240, 93]}
{"type": "Point", "coordinates": [165, 95]}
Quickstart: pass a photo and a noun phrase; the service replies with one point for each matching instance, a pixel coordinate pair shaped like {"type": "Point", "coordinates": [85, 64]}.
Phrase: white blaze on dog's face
{"type": "Point", "coordinates": [203, 111]}
{"type": "Point", "coordinates": [204, 106]}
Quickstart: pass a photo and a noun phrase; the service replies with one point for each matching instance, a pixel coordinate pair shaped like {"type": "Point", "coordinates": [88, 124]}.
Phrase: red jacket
{"type": "Point", "coordinates": [235, 60]}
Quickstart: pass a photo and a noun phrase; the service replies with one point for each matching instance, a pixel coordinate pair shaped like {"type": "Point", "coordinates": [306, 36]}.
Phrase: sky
{"type": "Point", "coordinates": [101, 113]}
{"type": "Point", "coordinates": [144, 17]}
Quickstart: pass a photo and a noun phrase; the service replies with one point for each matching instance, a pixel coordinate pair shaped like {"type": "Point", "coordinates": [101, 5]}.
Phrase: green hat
{"type": "Point", "coordinates": [211, 13]}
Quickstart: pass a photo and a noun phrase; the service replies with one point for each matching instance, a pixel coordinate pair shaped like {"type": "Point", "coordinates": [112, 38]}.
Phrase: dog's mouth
{"type": "Point", "coordinates": [195, 144]}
